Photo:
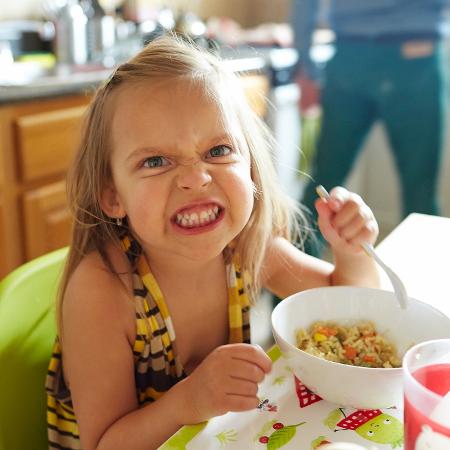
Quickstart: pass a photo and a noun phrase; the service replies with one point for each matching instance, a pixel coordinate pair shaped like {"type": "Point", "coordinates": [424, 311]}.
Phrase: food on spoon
{"type": "Point", "coordinates": [356, 345]}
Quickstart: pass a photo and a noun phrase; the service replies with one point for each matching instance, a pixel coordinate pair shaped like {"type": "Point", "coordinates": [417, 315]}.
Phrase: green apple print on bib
{"type": "Point", "coordinates": [383, 429]}
{"type": "Point", "coordinates": [371, 424]}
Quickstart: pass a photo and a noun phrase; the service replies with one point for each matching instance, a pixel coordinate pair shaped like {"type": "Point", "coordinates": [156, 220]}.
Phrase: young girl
{"type": "Point", "coordinates": [178, 224]}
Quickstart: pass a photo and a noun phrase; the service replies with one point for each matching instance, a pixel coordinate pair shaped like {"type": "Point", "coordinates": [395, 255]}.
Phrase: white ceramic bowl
{"type": "Point", "coordinates": [358, 387]}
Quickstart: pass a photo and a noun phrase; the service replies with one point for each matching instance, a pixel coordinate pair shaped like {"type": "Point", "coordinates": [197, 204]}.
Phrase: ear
{"type": "Point", "coordinates": [110, 202]}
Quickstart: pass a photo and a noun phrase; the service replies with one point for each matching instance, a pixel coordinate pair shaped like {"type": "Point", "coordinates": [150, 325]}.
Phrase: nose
{"type": "Point", "coordinates": [193, 176]}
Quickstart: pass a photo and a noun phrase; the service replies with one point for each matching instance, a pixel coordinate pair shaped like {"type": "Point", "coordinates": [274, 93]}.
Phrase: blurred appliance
{"type": "Point", "coordinates": [71, 34]}
{"type": "Point", "coordinates": [100, 32]}
{"type": "Point", "coordinates": [26, 36]}
{"type": "Point", "coordinates": [283, 116]}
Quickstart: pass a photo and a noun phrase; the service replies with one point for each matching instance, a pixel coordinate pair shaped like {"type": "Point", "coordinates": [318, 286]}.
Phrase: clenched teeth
{"type": "Point", "coordinates": [195, 219]}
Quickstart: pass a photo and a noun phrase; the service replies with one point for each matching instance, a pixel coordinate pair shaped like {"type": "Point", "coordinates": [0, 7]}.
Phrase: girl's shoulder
{"type": "Point", "coordinates": [99, 290]}
{"type": "Point", "coordinates": [109, 269]}
{"type": "Point", "coordinates": [111, 266]}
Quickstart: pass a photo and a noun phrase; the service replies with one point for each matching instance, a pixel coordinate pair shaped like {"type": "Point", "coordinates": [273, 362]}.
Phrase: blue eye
{"type": "Point", "coordinates": [220, 150]}
{"type": "Point", "coordinates": [154, 162]}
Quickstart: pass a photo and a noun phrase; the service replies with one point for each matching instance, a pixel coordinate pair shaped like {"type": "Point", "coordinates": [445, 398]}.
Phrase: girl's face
{"type": "Point", "coordinates": [182, 183]}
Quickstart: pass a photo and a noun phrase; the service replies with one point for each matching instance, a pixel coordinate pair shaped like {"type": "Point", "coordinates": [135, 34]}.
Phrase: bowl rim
{"type": "Point", "coordinates": [292, 297]}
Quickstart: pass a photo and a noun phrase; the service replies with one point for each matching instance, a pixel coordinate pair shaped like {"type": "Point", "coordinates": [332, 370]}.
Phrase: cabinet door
{"type": "Point", "coordinates": [46, 141]}
{"type": "Point", "coordinates": [3, 261]}
{"type": "Point", "coordinates": [47, 219]}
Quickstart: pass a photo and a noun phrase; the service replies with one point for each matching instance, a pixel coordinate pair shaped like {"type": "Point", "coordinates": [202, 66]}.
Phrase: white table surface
{"type": "Point", "coordinates": [418, 250]}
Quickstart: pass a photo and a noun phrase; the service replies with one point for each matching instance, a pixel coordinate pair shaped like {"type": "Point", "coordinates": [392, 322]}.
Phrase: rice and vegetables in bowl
{"type": "Point", "coordinates": [356, 345]}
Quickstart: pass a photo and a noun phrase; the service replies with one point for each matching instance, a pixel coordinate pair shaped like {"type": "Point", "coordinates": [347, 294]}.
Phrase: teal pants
{"type": "Point", "coordinates": [370, 81]}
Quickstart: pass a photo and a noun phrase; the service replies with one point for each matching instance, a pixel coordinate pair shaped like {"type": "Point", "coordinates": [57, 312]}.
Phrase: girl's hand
{"type": "Point", "coordinates": [346, 221]}
{"type": "Point", "coordinates": [226, 380]}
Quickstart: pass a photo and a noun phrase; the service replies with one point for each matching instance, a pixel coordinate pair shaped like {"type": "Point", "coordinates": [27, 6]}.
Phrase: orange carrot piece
{"type": "Point", "coordinates": [350, 352]}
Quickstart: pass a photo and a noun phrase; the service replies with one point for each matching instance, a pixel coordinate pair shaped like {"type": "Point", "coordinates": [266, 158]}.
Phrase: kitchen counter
{"type": "Point", "coordinates": [63, 81]}
{"type": "Point", "coordinates": [53, 85]}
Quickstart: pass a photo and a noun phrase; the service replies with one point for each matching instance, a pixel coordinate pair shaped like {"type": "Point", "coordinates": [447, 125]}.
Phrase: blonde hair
{"type": "Point", "coordinates": [171, 58]}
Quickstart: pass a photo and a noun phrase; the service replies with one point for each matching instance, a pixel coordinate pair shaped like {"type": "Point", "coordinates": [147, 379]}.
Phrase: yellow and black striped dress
{"type": "Point", "coordinates": [156, 363]}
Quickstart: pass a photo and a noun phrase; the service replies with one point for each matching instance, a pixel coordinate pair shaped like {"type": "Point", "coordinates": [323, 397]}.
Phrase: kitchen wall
{"type": "Point", "coordinates": [246, 12]}
{"type": "Point", "coordinates": [20, 9]}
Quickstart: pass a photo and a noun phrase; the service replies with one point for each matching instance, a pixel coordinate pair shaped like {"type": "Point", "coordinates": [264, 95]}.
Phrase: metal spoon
{"type": "Point", "coordinates": [397, 284]}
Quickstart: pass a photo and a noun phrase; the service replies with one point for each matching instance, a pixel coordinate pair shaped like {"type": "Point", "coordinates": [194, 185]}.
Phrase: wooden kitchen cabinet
{"type": "Point", "coordinates": [256, 89]}
{"type": "Point", "coordinates": [47, 221]}
{"type": "Point", "coordinates": [37, 141]}
{"type": "Point", "coordinates": [46, 141]}
{"type": "Point", "coordinates": [3, 263]}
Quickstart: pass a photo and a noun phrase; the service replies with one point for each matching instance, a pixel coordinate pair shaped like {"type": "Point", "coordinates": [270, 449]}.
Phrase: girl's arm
{"type": "Point", "coordinates": [98, 329]}
{"type": "Point", "coordinates": [98, 334]}
{"type": "Point", "coordinates": [345, 221]}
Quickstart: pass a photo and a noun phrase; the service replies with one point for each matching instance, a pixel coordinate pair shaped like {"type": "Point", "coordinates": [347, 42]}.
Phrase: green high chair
{"type": "Point", "coordinates": [27, 332]}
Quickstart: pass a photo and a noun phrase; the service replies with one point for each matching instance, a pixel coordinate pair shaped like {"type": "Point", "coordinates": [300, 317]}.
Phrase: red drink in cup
{"type": "Point", "coordinates": [426, 369]}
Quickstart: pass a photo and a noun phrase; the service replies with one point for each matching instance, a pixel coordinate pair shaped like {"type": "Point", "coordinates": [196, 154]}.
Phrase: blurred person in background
{"type": "Point", "coordinates": [387, 66]}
